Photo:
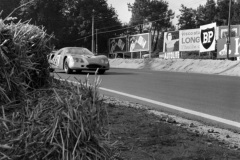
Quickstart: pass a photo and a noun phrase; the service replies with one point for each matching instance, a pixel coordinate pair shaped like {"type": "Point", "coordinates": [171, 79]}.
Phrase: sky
{"type": "Point", "coordinates": [124, 15]}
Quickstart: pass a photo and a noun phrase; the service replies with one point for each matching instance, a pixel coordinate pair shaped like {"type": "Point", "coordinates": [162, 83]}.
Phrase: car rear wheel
{"type": "Point", "coordinates": [66, 67]}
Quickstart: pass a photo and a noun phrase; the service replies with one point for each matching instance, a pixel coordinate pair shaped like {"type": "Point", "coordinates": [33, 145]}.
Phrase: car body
{"type": "Point", "coordinates": [78, 59]}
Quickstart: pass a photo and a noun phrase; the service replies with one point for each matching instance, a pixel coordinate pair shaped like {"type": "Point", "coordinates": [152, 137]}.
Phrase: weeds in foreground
{"type": "Point", "coordinates": [61, 122]}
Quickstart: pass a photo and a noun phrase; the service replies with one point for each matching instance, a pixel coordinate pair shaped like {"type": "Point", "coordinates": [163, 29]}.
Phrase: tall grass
{"type": "Point", "coordinates": [23, 60]}
{"type": "Point", "coordinates": [61, 122]}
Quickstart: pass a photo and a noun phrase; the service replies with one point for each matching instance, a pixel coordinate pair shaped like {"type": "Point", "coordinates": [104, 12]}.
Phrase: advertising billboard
{"type": "Point", "coordinates": [140, 42]}
{"type": "Point", "coordinates": [223, 31]}
{"type": "Point", "coordinates": [171, 41]}
{"type": "Point", "coordinates": [234, 47]}
{"type": "Point", "coordinates": [118, 45]}
{"type": "Point", "coordinates": [189, 40]}
{"type": "Point", "coordinates": [207, 37]}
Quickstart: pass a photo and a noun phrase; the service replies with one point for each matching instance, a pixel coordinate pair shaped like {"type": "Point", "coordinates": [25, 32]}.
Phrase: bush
{"type": "Point", "coordinates": [23, 60]}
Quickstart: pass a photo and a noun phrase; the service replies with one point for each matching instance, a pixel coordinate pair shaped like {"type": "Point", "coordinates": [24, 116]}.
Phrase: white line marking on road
{"type": "Point", "coordinates": [208, 116]}
{"type": "Point", "coordinates": [218, 119]}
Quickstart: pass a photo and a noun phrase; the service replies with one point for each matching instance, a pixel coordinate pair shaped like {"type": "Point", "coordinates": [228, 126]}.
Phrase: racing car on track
{"type": "Point", "coordinates": [78, 59]}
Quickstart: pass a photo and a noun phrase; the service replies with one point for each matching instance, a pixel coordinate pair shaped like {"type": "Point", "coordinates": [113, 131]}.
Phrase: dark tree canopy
{"type": "Point", "coordinates": [71, 20]}
{"type": "Point", "coordinates": [155, 12]}
{"type": "Point", "coordinates": [151, 10]}
{"type": "Point", "coordinates": [187, 19]}
{"type": "Point", "coordinates": [209, 13]}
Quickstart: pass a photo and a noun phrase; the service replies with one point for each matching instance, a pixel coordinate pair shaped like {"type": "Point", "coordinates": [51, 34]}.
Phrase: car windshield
{"type": "Point", "coordinates": [80, 51]}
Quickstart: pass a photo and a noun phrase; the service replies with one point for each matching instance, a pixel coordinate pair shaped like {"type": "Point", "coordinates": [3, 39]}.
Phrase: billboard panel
{"type": "Point", "coordinates": [171, 41]}
{"type": "Point", "coordinates": [171, 55]}
{"type": "Point", "coordinates": [234, 47]}
{"type": "Point", "coordinates": [223, 31]}
{"type": "Point", "coordinates": [208, 37]}
{"type": "Point", "coordinates": [140, 42]}
{"type": "Point", "coordinates": [189, 40]}
{"type": "Point", "coordinates": [118, 45]}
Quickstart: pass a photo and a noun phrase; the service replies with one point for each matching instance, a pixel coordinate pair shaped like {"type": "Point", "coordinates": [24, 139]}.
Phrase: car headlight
{"type": "Point", "coordinates": [78, 60]}
{"type": "Point", "coordinates": [104, 61]}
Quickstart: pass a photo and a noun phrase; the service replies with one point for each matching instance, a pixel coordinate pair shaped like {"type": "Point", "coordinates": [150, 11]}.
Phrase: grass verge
{"type": "Point", "coordinates": [143, 136]}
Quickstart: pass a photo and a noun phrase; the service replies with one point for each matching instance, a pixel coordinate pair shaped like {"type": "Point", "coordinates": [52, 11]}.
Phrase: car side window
{"type": "Point", "coordinates": [60, 52]}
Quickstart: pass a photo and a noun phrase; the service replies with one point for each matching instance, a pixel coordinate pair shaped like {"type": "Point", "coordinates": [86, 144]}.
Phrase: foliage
{"type": "Point", "coordinates": [41, 117]}
{"type": "Point", "coordinates": [23, 59]}
{"type": "Point", "coordinates": [145, 11]}
{"type": "Point", "coordinates": [71, 21]}
{"type": "Point", "coordinates": [80, 22]}
{"type": "Point", "coordinates": [155, 13]}
{"type": "Point", "coordinates": [210, 10]}
{"type": "Point", "coordinates": [209, 13]}
{"type": "Point", "coordinates": [200, 16]}
{"type": "Point", "coordinates": [187, 19]}
{"type": "Point", "coordinates": [222, 12]}
{"type": "Point", "coordinates": [49, 14]}
{"type": "Point", "coordinates": [236, 14]}
{"type": "Point", "coordinates": [60, 122]}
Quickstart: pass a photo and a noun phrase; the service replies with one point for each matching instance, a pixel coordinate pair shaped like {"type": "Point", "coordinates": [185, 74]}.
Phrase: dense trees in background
{"type": "Point", "coordinates": [156, 12]}
{"type": "Point", "coordinates": [236, 13]}
{"type": "Point", "coordinates": [71, 20]}
{"type": "Point", "coordinates": [149, 11]}
{"type": "Point", "coordinates": [208, 13]}
{"type": "Point", "coordinates": [187, 18]}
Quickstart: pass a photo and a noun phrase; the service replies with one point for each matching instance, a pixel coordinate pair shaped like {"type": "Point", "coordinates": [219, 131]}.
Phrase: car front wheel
{"type": "Point", "coordinates": [78, 71]}
{"type": "Point", "coordinates": [101, 71]}
{"type": "Point", "coordinates": [66, 67]}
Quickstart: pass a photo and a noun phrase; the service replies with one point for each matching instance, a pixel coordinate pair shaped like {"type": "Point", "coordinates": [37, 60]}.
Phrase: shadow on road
{"type": "Point", "coordinates": [107, 73]}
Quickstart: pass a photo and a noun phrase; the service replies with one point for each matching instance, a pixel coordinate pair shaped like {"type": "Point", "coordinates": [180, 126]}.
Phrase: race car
{"type": "Point", "coordinates": [78, 59]}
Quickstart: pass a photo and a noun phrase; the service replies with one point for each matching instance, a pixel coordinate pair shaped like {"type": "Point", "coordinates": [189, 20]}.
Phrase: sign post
{"type": "Point", "coordinates": [229, 28]}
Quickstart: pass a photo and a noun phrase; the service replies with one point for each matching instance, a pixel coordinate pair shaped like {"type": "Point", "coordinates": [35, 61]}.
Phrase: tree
{"type": "Point", "coordinates": [236, 13]}
{"type": "Point", "coordinates": [187, 18]}
{"type": "Point", "coordinates": [80, 23]}
{"type": "Point", "coordinates": [46, 13]}
{"type": "Point", "coordinates": [222, 12]}
{"type": "Point", "coordinates": [154, 11]}
{"type": "Point", "coordinates": [210, 11]}
{"type": "Point", "coordinates": [151, 10]}
{"type": "Point", "coordinates": [71, 20]}
{"type": "Point", "coordinates": [206, 14]}
{"type": "Point", "coordinates": [200, 16]}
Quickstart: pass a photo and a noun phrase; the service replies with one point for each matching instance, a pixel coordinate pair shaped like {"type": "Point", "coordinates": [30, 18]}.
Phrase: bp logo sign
{"type": "Point", "coordinates": [207, 33]}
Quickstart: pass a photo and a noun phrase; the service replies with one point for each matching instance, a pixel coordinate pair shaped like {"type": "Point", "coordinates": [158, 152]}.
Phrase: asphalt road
{"type": "Point", "coordinates": [211, 94]}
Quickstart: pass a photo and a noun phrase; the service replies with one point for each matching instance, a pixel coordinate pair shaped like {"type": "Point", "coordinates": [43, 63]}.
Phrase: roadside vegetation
{"type": "Point", "coordinates": [140, 135]}
{"type": "Point", "coordinates": [44, 118]}
{"type": "Point", "coordinates": [71, 21]}
{"type": "Point", "coordinates": [40, 117]}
